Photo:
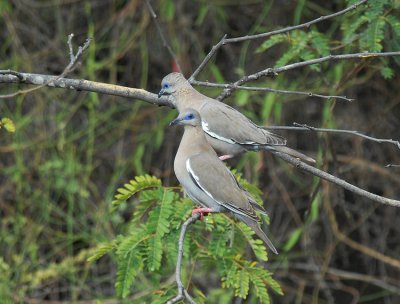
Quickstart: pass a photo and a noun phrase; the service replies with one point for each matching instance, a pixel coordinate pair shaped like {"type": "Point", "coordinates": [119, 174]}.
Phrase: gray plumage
{"type": "Point", "coordinates": [228, 131]}
{"type": "Point", "coordinates": [207, 180]}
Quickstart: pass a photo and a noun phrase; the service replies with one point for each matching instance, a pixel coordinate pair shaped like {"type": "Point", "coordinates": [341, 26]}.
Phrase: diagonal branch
{"type": "Point", "coordinates": [272, 72]}
{"type": "Point", "coordinates": [182, 292]}
{"type": "Point", "coordinates": [306, 25]}
{"type": "Point", "coordinates": [305, 127]}
{"type": "Point", "coordinates": [262, 89]}
{"type": "Point", "coordinates": [73, 61]}
{"type": "Point", "coordinates": [333, 179]}
{"type": "Point", "coordinates": [160, 32]}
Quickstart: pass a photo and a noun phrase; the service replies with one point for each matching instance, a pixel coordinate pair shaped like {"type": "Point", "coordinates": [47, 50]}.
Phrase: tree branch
{"type": "Point", "coordinates": [164, 41]}
{"type": "Point", "coordinates": [262, 89]}
{"type": "Point", "coordinates": [306, 25]}
{"type": "Point", "coordinates": [275, 71]}
{"type": "Point", "coordinates": [305, 127]}
{"type": "Point", "coordinates": [182, 292]}
{"type": "Point", "coordinates": [8, 76]}
{"type": "Point", "coordinates": [73, 61]}
{"type": "Point", "coordinates": [329, 177]}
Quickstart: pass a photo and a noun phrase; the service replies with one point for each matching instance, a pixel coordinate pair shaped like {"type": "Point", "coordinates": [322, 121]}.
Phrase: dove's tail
{"type": "Point", "coordinates": [254, 225]}
{"type": "Point", "coordinates": [291, 152]}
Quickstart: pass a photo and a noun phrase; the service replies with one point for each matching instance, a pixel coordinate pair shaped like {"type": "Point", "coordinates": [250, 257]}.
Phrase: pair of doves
{"type": "Point", "coordinates": [210, 127]}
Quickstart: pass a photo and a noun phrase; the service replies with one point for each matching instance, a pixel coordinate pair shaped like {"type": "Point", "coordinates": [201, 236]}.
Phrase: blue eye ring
{"type": "Point", "coordinates": [165, 86]}
{"type": "Point", "coordinates": [189, 116]}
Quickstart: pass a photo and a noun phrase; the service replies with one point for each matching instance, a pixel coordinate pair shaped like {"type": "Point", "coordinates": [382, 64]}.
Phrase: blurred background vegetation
{"type": "Point", "coordinates": [71, 150]}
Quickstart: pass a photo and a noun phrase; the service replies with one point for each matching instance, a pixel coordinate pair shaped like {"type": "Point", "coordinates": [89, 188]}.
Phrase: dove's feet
{"type": "Point", "coordinates": [225, 157]}
{"type": "Point", "coordinates": [202, 211]}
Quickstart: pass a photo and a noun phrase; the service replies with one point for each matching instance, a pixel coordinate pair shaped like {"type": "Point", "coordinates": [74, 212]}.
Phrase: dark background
{"type": "Point", "coordinates": [71, 150]}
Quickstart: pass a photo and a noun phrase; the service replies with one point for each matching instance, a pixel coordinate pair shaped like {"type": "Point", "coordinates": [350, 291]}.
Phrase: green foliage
{"type": "Point", "coordinates": [7, 124]}
{"type": "Point", "coordinates": [368, 30]}
{"type": "Point", "coordinates": [138, 184]}
{"type": "Point", "coordinates": [219, 242]}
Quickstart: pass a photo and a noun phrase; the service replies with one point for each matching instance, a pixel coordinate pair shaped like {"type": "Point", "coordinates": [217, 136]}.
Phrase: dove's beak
{"type": "Point", "coordinates": [162, 91]}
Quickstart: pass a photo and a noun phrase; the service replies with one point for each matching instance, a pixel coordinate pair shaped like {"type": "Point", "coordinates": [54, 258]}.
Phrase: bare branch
{"type": "Point", "coordinates": [329, 177]}
{"type": "Point", "coordinates": [306, 25]}
{"type": "Point", "coordinates": [275, 71]}
{"type": "Point", "coordinates": [347, 275]}
{"type": "Point", "coordinates": [296, 27]}
{"type": "Point", "coordinates": [182, 292]}
{"type": "Point", "coordinates": [227, 86]}
{"type": "Point", "coordinates": [392, 165]}
{"type": "Point", "coordinates": [85, 85]}
{"type": "Point", "coordinates": [164, 41]}
{"type": "Point", "coordinates": [207, 58]}
{"type": "Point", "coordinates": [69, 68]}
{"type": "Point", "coordinates": [305, 127]}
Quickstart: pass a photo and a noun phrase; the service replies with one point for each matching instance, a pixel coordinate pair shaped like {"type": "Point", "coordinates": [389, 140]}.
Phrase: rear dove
{"type": "Point", "coordinates": [206, 179]}
{"type": "Point", "coordinates": [228, 131]}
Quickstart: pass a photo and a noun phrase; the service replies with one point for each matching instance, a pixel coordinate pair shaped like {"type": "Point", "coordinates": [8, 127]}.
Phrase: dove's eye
{"type": "Point", "coordinates": [189, 116]}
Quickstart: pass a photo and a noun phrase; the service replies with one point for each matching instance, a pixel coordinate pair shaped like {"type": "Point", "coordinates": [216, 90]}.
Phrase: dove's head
{"type": "Point", "coordinates": [172, 84]}
{"type": "Point", "coordinates": [188, 117]}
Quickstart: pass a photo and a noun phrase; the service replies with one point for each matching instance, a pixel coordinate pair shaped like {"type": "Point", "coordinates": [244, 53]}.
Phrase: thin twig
{"type": "Point", "coordinates": [305, 127]}
{"type": "Point", "coordinates": [306, 25]}
{"type": "Point", "coordinates": [164, 41]}
{"type": "Point", "coordinates": [275, 71]}
{"type": "Point", "coordinates": [182, 292]}
{"type": "Point", "coordinates": [347, 275]}
{"type": "Point", "coordinates": [296, 27]}
{"type": "Point", "coordinates": [392, 165]}
{"type": "Point", "coordinates": [50, 80]}
{"type": "Point", "coordinates": [329, 177]}
{"type": "Point", "coordinates": [214, 49]}
{"type": "Point", "coordinates": [262, 89]}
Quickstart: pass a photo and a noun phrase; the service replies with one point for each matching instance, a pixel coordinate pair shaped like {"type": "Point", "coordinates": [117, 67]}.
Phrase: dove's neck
{"type": "Point", "coordinates": [194, 141]}
{"type": "Point", "coordinates": [188, 97]}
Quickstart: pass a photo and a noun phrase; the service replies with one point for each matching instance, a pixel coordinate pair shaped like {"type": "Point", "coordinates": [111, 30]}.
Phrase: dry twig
{"type": "Point", "coordinates": [306, 25]}
{"type": "Point", "coordinates": [73, 61]}
{"type": "Point", "coordinates": [182, 292]}
{"type": "Point", "coordinates": [305, 127]}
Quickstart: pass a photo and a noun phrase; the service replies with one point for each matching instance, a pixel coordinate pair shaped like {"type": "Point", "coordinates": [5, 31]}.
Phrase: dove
{"type": "Point", "coordinates": [228, 131]}
{"type": "Point", "coordinates": [208, 181]}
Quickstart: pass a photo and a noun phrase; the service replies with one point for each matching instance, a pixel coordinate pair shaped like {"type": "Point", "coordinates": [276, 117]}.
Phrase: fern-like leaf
{"type": "Point", "coordinates": [158, 225]}
{"type": "Point", "coordinates": [140, 183]}
{"type": "Point", "coordinates": [101, 250]}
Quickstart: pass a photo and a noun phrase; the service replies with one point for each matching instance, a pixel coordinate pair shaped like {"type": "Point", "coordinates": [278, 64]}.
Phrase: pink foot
{"type": "Point", "coordinates": [225, 157]}
{"type": "Point", "coordinates": [202, 211]}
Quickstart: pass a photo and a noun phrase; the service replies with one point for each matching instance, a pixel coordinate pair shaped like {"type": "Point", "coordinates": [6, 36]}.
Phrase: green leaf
{"type": "Point", "coordinates": [129, 261]}
{"type": "Point", "coordinates": [128, 267]}
{"type": "Point", "coordinates": [158, 225]}
{"type": "Point", "coordinates": [101, 251]}
{"type": "Point", "coordinates": [293, 239]}
{"type": "Point", "coordinates": [242, 97]}
{"type": "Point", "coordinates": [271, 42]}
{"type": "Point", "coordinates": [244, 282]}
{"type": "Point", "coordinates": [7, 124]}
{"type": "Point", "coordinates": [154, 253]}
{"type": "Point", "coordinates": [375, 35]}
{"type": "Point", "coordinates": [140, 183]}
{"type": "Point", "coordinates": [256, 244]}
{"type": "Point", "coordinates": [259, 287]}
{"type": "Point", "coordinates": [321, 43]}
{"type": "Point", "coordinates": [168, 9]}
{"type": "Point", "coordinates": [387, 73]}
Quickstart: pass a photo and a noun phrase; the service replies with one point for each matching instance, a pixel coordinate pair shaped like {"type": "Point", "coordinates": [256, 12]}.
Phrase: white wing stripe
{"type": "Point", "coordinates": [196, 178]}
{"type": "Point", "coordinates": [212, 134]}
